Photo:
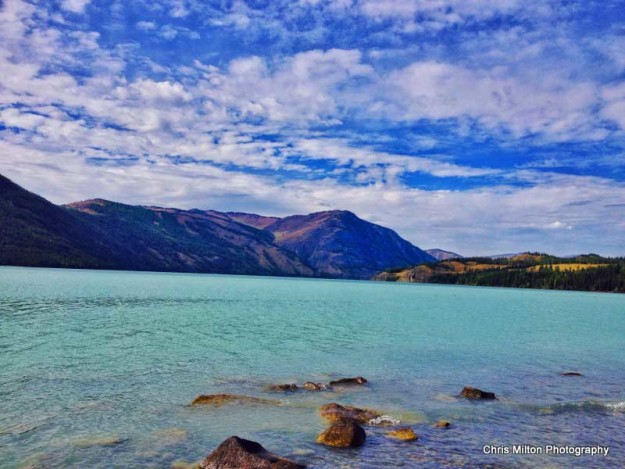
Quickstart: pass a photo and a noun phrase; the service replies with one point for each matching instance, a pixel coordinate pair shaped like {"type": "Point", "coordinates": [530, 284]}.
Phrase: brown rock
{"type": "Point", "coordinates": [314, 386]}
{"type": "Point", "coordinates": [348, 381]}
{"type": "Point", "coordinates": [403, 433]}
{"type": "Point", "coordinates": [337, 413]}
{"type": "Point", "coordinates": [571, 373]}
{"type": "Point", "coordinates": [283, 387]}
{"type": "Point", "coordinates": [475, 393]}
{"type": "Point", "coordinates": [442, 424]}
{"type": "Point", "coordinates": [237, 453]}
{"type": "Point", "coordinates": [343, 435]}
{"type": "Point", "coordinates": [218, 400]}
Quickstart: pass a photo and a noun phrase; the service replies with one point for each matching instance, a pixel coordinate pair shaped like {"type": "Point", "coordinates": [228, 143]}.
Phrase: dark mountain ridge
{"type": "Point", "coordinates": [34, 231]}
{"type": "Point", "coordinates": [102, 234]}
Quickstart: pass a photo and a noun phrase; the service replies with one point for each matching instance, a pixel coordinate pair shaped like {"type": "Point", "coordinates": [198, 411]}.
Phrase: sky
{"type": "Point", "coordinates": [476, 126]}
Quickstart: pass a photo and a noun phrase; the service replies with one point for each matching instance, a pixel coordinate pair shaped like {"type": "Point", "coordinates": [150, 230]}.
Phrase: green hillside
{"type": "Point", "coordinates": [530, 270]}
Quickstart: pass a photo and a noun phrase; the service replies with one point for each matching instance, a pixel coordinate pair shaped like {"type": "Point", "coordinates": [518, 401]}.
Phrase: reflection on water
{"type": "Point", "coordinates": [97, 369]}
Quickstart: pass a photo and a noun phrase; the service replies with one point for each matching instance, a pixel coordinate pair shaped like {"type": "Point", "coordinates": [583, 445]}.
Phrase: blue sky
{"type": "Point", "coordinates": [478, 126]}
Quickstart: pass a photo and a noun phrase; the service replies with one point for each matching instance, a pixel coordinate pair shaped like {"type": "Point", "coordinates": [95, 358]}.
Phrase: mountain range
{"type": "Point", "coordinates": [101, 234]}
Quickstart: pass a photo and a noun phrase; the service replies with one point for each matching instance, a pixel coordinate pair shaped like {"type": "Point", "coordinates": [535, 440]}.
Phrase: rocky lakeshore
{"type": "Point", "coordinates": [345, 424]}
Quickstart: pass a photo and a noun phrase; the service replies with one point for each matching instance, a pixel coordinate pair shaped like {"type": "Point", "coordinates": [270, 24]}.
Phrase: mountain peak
{"type": "Point", "coordinates": [338, 243]}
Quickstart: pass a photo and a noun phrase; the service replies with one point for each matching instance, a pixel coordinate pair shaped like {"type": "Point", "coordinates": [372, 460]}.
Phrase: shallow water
{"type": "Point", "coordinates": [97, 368]}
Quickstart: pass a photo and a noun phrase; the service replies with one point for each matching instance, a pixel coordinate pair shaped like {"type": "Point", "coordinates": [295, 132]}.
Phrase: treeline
{"type": "Point", "coordinates": [610, 278]}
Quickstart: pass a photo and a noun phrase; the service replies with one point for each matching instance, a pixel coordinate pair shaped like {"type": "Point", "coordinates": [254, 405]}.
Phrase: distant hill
{"type": "Point", "coordinates": [508, 255]}
{"type": "Point", "coordinates": [441, 255]}
{"type": "Point", "coordinates": [526, 270]}
{"type": "Point", "coordinates": [103, 234]}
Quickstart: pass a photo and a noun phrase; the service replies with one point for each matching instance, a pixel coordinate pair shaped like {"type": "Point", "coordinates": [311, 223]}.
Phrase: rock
{"type": "Point", "coordinates": [169, 436]}
{"type": "Point", "coordinates": [571, 373]}
{"type": "Point", "coordinates": [182, 464]}
{"type": "Point", "coordinates": [403, 433]}
{"type": "Point", "coordinates": [309, 385]}
{"type": "Point", "coordinates": [237, 453]}
{"type": "Point", "coordinates": [111, 440]}
{"type": "Point", "coordinates": [218, 400]}
{"type": "Point", "coordinates": [337, 413]}
{"type": "Point", "coordinates": [475, 393]}
{"type": "Point", "coordinates": [343, 435]}
{"type": "Point", "coordinates": [283, 387]}
{"type": "Point", "coordinates": [442, 424]}
{"type": "Point", "coordinates": [348, 381]}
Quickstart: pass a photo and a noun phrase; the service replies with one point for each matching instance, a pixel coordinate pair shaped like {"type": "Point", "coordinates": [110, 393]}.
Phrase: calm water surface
{"type": "Point", "coordinates": [97, 369]}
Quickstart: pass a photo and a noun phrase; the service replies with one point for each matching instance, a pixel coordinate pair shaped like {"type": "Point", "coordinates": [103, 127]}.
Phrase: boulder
{"type": "Point", "coordinates": [218, 400]}
{"type": "Point", "coordinates": [237, 453]}
{"type": "Point", "coordinates": [309, 385]}
{"type": "Point", "coordinates": [475, 393]}
{"type": "Point", "coordinates": [343, 435]}
{"type": "Point", "coordinates": [403, 433]}
{"type": "Point", "coordinates": [442, 424]}
{"type": "Point", "coordinates": [348, 381]}
{"type": "Point", "coordinates": [337, 413]}
{"type": "Point", "coordinates": [283, 387]}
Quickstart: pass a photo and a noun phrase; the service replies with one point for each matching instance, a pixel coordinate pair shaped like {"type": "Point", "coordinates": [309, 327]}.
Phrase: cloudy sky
{"type": "Point", "coordinates": [478, 126]}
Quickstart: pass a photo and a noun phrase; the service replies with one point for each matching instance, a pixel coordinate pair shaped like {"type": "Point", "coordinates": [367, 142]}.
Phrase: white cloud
{"type": "Point", "coordinates": [146, 25]}
{"type": "Point", "coordinates": [75, 6]}
{"type": "Point", "coordinates": [301, 88]}
{"type": "Point", "coordinates": [378, 166]}
{"type": "Point", "coordinates": [614, 104]}
{"type": "Point", "coordinates": [558, 225]}
{"type": "Point", "coordinates": [433, 90]}
{"type": "Point", "coordinates": [12, 117]}
{"type": "Point", "coordinates": [445, 11]}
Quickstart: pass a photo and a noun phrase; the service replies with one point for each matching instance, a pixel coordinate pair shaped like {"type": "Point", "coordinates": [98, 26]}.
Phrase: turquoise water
{"type": "Point", "coordinates": [97, 369]}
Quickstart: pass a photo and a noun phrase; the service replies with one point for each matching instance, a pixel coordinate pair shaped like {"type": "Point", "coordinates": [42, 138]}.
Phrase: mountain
{"type": "Point", "coordinates": [155, 238]}
{"type": "Point", "coordinates": [103, 234]}
{"type": "Point", "coordinates": [441, 255]}
{"type": "Point", "coordinates": [251, 219]}
{"type": "Point", "coordinates": [339, 244]}
{"type": "Point", "coordinates": [35, 232]}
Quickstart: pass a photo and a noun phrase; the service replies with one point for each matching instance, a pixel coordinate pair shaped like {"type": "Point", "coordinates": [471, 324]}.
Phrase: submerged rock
{"type": "Point", "coordinates": [442, 424]}
{"type": "Point", "coordinates": [283, 387]}
{"type": "Point", "coordinates": [310, 386]}
{"type": "Point", "coordinates": [404, 433]}
{"type": "Point", "coordinates": [348, 381]}
{"type": "Point", "coordinates": [475, 393]}
{"type": "Point", "coordinates": [337, 413]}
{"type": "Point", "coordinates": [182, 464]}
{"type": "Point", "coordinates": [343, 435]}
{"type": "Point", "coordinates": [110, 440]}
{"type": "Point", "coordinates": [571, 373]}
{"type": "Point", "coordinates": [218, 400]}
{"type": "Point", "coordinates": [237, 453]}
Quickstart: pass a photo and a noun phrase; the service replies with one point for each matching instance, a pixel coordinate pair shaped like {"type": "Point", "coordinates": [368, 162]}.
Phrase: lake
{"type": "Point", "coordinates": [98, 368]}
